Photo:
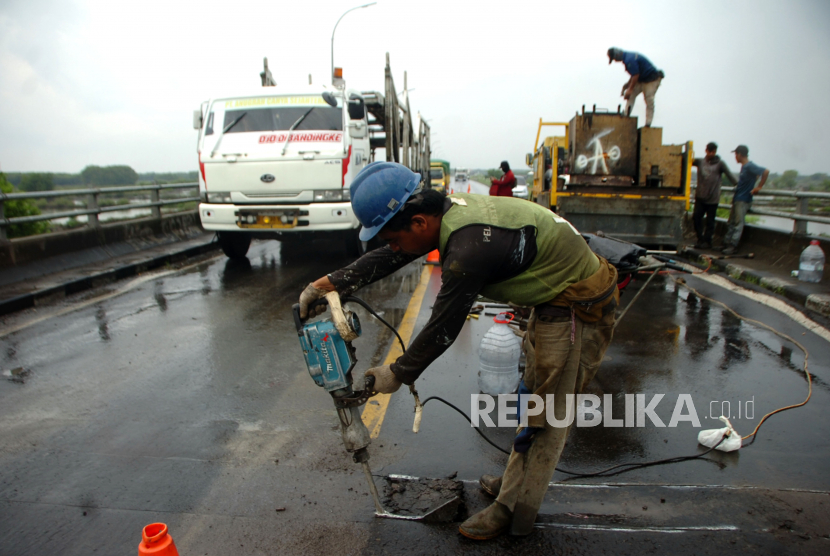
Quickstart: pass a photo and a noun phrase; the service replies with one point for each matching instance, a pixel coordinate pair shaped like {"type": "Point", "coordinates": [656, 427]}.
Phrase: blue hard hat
{"type": "Point", "coordinates": [378, 192]}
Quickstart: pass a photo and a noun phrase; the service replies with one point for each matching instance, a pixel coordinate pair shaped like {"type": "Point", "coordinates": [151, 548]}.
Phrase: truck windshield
{"type": "Point", "coordinates": [259, 118]}
{"type": "Point", "coordinates": [280, 119]}
{"type": "Point", "coordinates": [436, 174]}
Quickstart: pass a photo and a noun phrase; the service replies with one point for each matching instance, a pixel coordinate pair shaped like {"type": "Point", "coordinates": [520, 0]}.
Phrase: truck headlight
{"type": "Point", "coordinates": [219, 198]}
{"type": "Point", "coordinates": [331, 195]}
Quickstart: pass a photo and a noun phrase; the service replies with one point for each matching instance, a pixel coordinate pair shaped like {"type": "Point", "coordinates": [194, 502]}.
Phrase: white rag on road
{"type": "Point", "coordinates": [711, 437]}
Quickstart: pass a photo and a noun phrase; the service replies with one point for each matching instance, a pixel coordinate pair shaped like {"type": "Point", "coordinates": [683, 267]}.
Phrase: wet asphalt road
{"type": "Point", "coordinates": [185, 400]}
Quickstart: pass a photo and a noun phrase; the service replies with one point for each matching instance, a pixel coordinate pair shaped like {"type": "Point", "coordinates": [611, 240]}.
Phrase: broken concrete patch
{"type": "Point", "coordinates": [418, 497]}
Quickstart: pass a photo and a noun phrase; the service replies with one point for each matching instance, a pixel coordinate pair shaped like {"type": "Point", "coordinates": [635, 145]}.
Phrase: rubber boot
{"type": "Point", "coordinates": [489, 523]}
{"type": "Point", "coordinates": [490, 484]}
{"type": "Point", "coordinates": [523, 520]}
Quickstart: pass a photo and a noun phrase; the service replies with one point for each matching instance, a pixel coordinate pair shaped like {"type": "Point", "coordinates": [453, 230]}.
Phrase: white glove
{"type": "Point", "coordinates": [385, 380]}
{"type": "Point", "coordinates": [310, 295]}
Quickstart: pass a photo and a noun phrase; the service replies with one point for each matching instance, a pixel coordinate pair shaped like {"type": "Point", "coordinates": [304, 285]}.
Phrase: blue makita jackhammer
{"type": "Point", "coordinates": [330, 357]}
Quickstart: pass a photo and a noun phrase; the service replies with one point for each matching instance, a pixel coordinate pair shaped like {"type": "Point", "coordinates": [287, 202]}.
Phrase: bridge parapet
{"type": "Point", "coordinates": [93, 208]}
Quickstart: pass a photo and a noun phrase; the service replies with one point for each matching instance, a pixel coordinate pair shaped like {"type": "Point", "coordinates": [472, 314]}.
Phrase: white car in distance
{"type": "Point", "coordinates": [520, 190]}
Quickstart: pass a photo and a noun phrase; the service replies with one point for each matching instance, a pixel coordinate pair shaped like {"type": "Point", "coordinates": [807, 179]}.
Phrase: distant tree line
{"type": "Point", "coordinates": [792, 180]}
{"type": "Point", "coordinates": [109, 175]}
{"type": "Point", "coordinates": [169, 177]}
{"type": "Point", "coordinates": [95, 176]}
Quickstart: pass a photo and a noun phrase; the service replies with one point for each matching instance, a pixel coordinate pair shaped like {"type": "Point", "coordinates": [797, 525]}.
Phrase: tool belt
{"type": "Point", "coordinates": [589, 299]}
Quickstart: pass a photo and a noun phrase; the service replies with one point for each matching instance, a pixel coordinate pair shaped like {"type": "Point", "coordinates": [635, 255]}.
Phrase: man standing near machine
{"type": "Point", "coordinates": [710, 168]}
{"type": "Point", "coordinates": [508, 250]}
{"type": "Point", "coordinates": [645, 78]}
{"type": "Point", "coordinates": [503, 187]}
{"type": "Point", "coordinates": [742, 200]}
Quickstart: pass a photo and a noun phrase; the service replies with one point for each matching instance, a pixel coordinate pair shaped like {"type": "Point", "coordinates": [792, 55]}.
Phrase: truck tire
{"type": "Point", "coordinates": [354, 247]}
{"type": "Point", "coordinates": [357, 248]}
{"type": "Point", "coordinates": [234, 244]}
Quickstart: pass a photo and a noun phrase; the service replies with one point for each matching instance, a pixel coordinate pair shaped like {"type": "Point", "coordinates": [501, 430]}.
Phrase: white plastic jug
{"type": "Point", "coordinates": [499, 352]}
{"type": "Point", "coordinates": [811, 265]}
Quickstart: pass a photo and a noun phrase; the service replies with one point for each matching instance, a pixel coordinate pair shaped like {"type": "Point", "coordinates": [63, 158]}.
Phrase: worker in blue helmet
{"type": "Point", "coordinates": [508, 250]}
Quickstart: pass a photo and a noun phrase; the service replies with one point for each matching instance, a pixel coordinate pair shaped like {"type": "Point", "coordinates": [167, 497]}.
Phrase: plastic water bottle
{"type": "Point", "coordinates": [499, 352]}
{"type": "Point", "coordinates": [811, 266]}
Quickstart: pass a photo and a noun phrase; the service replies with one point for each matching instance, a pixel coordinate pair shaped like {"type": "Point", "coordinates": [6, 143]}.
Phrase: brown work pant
{"type": "Point", "coordinates": [562, 368]}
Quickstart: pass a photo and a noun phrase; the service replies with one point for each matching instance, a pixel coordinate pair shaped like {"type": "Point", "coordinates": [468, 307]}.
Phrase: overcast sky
{"type": "Point", "coordinates": [103, 82]}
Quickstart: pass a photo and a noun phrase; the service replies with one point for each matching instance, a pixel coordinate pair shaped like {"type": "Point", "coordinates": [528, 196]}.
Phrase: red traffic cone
{"type": "Point", "coordinates": [433, 256]}
{"type": "Point", "coordinates": [155, 541]}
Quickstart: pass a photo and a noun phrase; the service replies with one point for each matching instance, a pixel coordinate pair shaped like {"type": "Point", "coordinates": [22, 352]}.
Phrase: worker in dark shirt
{"type": "Point", "coordinates": [503, 187]}
{"type": "Point", "coordinates": [710, 168]}
{"type": "Point", "coordinates": [645, 78]}
{"type": "Point", "coordinates": [508, 250]}
{"type": "Point", "coordinates": [745, 191]}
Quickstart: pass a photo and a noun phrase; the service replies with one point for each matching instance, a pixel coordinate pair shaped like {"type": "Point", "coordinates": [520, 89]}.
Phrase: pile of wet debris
{"type": "Point", "coordinates": [440, 500]}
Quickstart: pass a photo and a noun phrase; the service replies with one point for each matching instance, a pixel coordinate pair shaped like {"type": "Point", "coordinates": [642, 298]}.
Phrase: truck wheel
{"type": "Point", "coordinates": [357, 248]}
{"type": "Point", "coordinates": [234, 244]}
{"type": "Point", "coordinates": [354, 247]}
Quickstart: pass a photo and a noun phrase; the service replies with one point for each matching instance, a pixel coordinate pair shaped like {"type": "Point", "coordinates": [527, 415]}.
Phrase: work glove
{"type": "Point", "coordinates": [310, 295]}
{"type": "Point", "coordinates": [524, 439]}
{"type": "Point", "coordinates": [385, 380]}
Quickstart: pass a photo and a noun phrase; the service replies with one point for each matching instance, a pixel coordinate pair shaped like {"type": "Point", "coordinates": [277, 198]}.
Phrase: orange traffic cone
{"type": "Point", "coordinates": [468, 188]}
{"type": "Point", "coordinates": [155, 541]}
{"type": "Point", "coordinates": [433, 257]}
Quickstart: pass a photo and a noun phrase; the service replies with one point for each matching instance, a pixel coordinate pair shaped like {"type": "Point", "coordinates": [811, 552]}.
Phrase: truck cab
{"type": "Point", "coordinates": [436, 178]}
{"type": "Point", "coordinates": [278, 164]}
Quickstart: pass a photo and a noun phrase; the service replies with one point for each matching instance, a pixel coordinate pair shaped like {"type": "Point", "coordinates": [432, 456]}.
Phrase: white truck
{"type": "Point", "coordinates": [278, 164]}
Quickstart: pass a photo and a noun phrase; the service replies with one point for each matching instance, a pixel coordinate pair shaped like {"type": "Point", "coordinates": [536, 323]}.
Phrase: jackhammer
{"type": "Point", "coordinates": [330, 357]}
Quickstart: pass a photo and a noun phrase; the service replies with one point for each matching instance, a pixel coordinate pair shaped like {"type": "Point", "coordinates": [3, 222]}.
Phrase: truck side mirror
{"type": "Point", "coordinates": [330, 100]}
{"type": "Point", "coordinates": [197, 119]}
{"type": "Point", "coordinates": [529, 159]}
{"type": "Point", "coordinates": [357, 109]}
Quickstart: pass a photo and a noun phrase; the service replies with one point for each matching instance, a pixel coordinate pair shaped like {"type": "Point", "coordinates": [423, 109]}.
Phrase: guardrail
{"type": "Point", "coordinates": [93, 210]}
{"type": "Point", "coordinates": [800, 214]}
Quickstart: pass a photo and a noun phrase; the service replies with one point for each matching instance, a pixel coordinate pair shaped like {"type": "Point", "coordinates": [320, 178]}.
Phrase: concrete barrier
{"type": "Point", "coordinates": [777, 253]}
{"type": "Point", "coordinates": [132, 235]}
{"type": "Point", "coordinates": [780, 249]}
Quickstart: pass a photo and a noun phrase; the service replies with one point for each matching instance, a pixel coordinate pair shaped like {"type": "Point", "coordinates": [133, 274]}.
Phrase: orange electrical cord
{"type": "Point", "coordinates": [774, 331]}
{"type": "Point", "coordinates": [709, 260]}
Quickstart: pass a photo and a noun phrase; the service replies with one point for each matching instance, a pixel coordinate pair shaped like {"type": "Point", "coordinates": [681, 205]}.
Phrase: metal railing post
{"type": "Point", "coordinates": [154, 198]}
{"type": "Point", "coordinates": [92, 204]}
{"type": "Point", "coordinates": [3, 232]}
{"type": "Point", "coordinates": [802, 206]}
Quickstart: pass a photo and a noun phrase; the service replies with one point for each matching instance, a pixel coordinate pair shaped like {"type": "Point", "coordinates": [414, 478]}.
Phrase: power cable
{"type": "Point", "coordinates": [604, 472]}
{"type": "Point", "coordinates": [777, 333]}
{"type": "Point", "coordinates": [625, 467]}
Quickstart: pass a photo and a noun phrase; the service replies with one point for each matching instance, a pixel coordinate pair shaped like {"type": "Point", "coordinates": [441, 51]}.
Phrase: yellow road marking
{"type": "Point", "coordinates": [373, 414]}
